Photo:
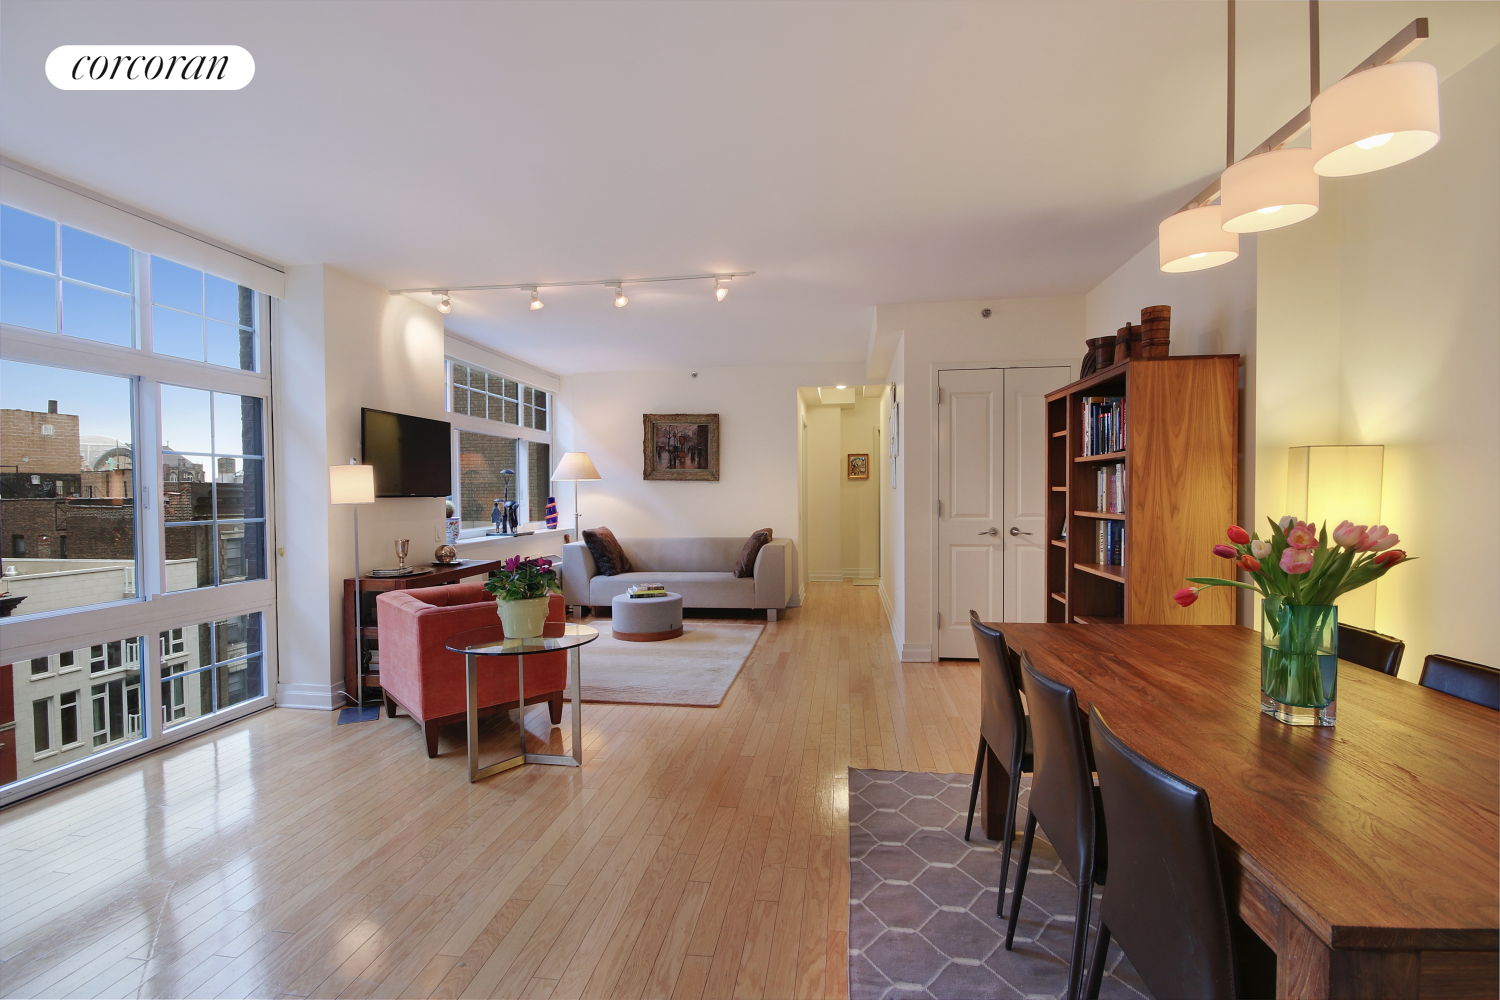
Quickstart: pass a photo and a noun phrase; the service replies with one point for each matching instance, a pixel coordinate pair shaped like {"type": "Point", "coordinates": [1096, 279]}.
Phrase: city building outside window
{"type": "Point", "coordinates": [515, 463]}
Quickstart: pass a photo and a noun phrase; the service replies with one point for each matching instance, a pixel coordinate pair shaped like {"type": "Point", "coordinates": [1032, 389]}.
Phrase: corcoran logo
{"type": "Point", "coordinates": [150, 67]}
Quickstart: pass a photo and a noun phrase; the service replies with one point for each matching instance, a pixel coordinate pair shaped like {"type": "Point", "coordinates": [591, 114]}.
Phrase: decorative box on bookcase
{"type": "Point", "coordinates": [1179, 452]}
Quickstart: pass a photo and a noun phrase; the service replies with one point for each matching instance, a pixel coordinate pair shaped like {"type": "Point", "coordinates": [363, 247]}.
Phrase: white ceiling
{"type": "Point", "coordinates": [852, 154]}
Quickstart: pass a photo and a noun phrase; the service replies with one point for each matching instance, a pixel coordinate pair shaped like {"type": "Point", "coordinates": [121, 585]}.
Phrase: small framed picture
{"type": "Point", "coordinates": [859, 466]}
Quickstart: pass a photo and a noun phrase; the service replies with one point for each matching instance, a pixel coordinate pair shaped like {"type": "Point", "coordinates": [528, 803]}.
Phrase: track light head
{"type": "Point", "coordinates": [721, 288]}
{"type": "Point", "coordinates": [620, 299]}
{"type": "Point", "coordinates": [445, 304]}
{"type": "Point", "coordinates": [536, 300]}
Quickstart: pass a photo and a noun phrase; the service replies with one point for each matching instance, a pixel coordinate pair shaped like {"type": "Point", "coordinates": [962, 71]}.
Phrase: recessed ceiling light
{"type": "Point", "coordinates": [841, 387]}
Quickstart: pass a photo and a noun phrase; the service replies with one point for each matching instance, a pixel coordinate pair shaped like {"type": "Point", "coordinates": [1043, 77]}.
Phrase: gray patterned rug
{"type": "Point", "coordinates": [922, 901]}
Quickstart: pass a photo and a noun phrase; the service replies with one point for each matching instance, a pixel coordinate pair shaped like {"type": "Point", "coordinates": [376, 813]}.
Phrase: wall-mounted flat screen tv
{"type": "Point", "coordinates": [412, 456]}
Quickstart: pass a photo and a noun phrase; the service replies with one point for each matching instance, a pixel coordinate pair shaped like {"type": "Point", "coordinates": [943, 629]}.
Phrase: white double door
{"type": "Point", "coordinates": [992, 498]}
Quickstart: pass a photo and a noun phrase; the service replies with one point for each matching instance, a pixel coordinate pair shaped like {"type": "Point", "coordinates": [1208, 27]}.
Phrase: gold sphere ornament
{"type": "Point", "coordinates": [445, 554]}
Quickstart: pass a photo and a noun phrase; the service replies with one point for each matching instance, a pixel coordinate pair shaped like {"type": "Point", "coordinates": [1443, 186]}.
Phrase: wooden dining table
{"type": "Point", "coordinates": [1364, 854]}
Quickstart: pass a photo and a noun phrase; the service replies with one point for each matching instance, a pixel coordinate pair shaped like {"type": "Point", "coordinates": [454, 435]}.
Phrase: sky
{"type": "Point", "coordinates": [101, 402]}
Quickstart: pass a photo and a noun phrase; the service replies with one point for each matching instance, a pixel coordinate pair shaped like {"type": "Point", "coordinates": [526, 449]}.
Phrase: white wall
{"type": "Point", "coordinates": [859, 499]}
{"type": "Point", "coordinates": [1380, 324]}
{"type": "Point", "coordinates": [824, 544]}
{"type": "Point", "coordinates": [909, 345]}
{"type": "Point", "coordinates": [893, 504]}
{"type": "Point", "coordinates": [600, 413]}
{"type": "Point", "coordinates": [1213, 312]}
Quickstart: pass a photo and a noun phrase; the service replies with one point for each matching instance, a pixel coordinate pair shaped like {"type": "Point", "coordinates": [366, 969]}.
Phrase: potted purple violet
{"type": "Point", "coordinates": [523, 589]}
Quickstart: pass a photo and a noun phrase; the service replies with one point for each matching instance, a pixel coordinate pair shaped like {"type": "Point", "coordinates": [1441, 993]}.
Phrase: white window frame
{"type": "Point", "coordinates": [151, 610]}
{"type": "Point", "coordinates": [496, 428]}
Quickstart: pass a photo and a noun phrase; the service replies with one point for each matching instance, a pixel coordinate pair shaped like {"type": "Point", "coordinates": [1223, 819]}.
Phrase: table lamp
{"type": "Point", "coordinates": [575, 465]}
{"type": "Point", "coordinates": [354, 484]}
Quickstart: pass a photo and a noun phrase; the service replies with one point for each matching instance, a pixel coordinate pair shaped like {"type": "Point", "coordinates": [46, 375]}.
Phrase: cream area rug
{"type": "Point", "coordinates": [696, 668]}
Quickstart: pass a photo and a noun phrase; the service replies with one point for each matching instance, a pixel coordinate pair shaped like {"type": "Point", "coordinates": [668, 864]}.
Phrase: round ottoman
{"type": "Point", "coordinates": [646, 619]}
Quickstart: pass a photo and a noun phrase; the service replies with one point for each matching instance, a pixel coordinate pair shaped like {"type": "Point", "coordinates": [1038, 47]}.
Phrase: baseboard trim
{"type": "Point", "coordinates": [859, 573]}
{"type": "Point", "coordinates": [795, 601]}
{"type": "Point", "coordinates": [826, 576]}
{"type": "Point", "coordinates": [313, 697]}
{"type": "Point", "coordinates": [916, 652]}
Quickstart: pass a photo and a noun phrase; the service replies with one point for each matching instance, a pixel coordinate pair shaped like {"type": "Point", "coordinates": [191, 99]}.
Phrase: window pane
{"type": "Point", "coordinates": [236, 637]}
{"type": "Point", "coordinates": [96, 260]}
{"type": "Point", "coordinates": [240, 681]}
{"type": "Point", "coordinates": [237, 425]}
{"type": "Point", "coordinates": [510, 415]}
{"type": "Point", "coordinates": [176, 334]}
{"type": "Point", "coordinates": [28, 300]}
{"type": "Point", "coordinates": [222, 301]}
{"type": "Point", "coordinates": [241, 551]}
{"type": "Point", "coordinates": [460, 399]}
{"type": "Point", "coordinates": [185, 421]}
{"type": "Point", "coordinates": [39, 665]}
{"type": "Point", "coordinates": [225, 346]}
{"type": "Point", "coordinates": [76, 722]}
{"type": "Point", "coordinates": [186, 493]}
{"type": "Point", "coordinates": [240, 487]}
{"type": "Point", "coordinates": [483, 458]}
{"type": "Point", "coordinates": [41, 729]}
{"type": "Point", "coordinates": [94, 314]}
{"type": "Point", "coordinates": [176, 286]}
{"type": "Point", "coordinates": [538, 481]}
{"type": "Point", "coordinates": [27, 239]}
{"type": "Point", "coordinates": [190, 557]}
{"type": "Point", "coordinates": [73, 544]}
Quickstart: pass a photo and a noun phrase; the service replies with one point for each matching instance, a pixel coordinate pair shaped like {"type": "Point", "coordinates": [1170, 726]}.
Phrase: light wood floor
{"type": "Point", "coordinates": [699, 852]}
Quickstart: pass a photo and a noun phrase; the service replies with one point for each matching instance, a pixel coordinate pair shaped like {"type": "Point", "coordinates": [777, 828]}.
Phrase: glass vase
{"type": "Point", "coordinates": [1299, 663]}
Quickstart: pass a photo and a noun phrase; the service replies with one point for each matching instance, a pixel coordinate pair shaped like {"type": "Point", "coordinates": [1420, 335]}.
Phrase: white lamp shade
{"type": "Point", "coordinates": [575, 465]}
{"type": "Point", "coordinates": [1195, 239]}
{"type": "Point", "coordinates": [1269, 191]}
{"type": "Point", "coordinates": [1376, 119]}
{"type": "Point", "coordinates": [351, 484]}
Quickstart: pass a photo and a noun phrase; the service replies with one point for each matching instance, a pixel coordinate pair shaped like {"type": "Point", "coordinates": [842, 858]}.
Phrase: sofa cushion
{"type": "Point", "coordinates": [683, 555]}
{"type": "Point", "coordinates": [605, 548]}
{"type": "Point", "coordinates": [746, 566]}
{"type": "Point", "coordinates": [698, 590]}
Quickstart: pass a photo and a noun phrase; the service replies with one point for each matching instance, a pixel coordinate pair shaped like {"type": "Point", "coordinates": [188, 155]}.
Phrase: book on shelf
{"type": "Point", "coordinates": [1104, 420]}
{"type": "Point", "coordinates": [1110, 494]}
{"type": "Point", "coordinates": [1110, 543]}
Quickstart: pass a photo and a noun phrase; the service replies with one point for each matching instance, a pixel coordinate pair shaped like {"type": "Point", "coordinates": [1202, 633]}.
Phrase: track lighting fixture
{"type": "Point", "coordinates": [721, 281]}
{"type": "Point", "coordinates": [446, 304]}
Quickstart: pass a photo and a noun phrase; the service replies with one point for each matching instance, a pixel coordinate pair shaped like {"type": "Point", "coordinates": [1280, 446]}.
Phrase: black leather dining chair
{"type": "Point", "coordinates": [1065, 802]}
{"type": "Point", "coordinates": [1165, 904]}
{"type": "Point", "coordinates": [1370, 649]}
{"type": "Point", "coordinates": [1003, 732]}
{"type": "Point", "coordinates": [1463, 679]}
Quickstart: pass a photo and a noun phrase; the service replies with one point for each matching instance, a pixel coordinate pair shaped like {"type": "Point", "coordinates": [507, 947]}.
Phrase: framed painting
{"type": "Point", "coordinates": [859, 466]}
{"type": "Point", "coordinates": [682, 447]}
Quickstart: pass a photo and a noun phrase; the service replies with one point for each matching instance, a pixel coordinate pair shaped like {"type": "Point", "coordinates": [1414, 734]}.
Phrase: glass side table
{"type": "Point", "coordinates": [492, 641]}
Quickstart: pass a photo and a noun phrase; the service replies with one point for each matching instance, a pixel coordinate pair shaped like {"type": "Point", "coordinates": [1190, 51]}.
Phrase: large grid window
{"type": "Point", "coordinates": [57, 279]}
{"type": "Point", "coordinates": [480, 393]}
{"type": "Point", "coordinates": [202, 318]}
{"type": "Point", "coordinates": [213, 666]}
{"type": "Point", "coordinates": [213, 487]}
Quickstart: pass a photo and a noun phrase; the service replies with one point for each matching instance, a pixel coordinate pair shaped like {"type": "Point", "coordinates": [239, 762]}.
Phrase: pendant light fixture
{"type": "Point", "coordinates": [1195, 237]}
{"type": "Point", "coordinates": [1274, 189]}
{"type": "Point", "coordinates": [1376, 119]}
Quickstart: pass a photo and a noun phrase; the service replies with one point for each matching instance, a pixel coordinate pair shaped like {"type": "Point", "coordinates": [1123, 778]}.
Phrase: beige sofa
{"type": "Point", "coordinates": [700, 569]}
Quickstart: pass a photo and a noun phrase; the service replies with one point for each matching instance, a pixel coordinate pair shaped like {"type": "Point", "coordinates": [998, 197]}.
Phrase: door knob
{"type": "Point", "coordinates": [992, 532]}
{"type": "Point", "coordinates": [1018, 531]}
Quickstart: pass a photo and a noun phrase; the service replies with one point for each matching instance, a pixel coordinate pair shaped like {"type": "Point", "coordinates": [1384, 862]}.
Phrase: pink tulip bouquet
{"type": "Point", "coordinates": [1299, 566]}
{"type": "Point", "coordinates": [1300, 574]}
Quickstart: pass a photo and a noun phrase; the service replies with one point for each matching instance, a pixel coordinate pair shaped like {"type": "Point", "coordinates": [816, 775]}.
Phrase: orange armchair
{"type": "Point", "coordinates": [419, 674]}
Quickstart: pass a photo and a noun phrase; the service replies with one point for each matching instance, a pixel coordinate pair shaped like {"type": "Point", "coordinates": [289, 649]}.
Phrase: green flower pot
{"type": "Point", "coordinates": [1299, 663]}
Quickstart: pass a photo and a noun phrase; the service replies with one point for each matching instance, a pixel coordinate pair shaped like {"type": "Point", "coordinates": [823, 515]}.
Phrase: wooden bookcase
{"type": "Point", "coordinates": [1181, 478]}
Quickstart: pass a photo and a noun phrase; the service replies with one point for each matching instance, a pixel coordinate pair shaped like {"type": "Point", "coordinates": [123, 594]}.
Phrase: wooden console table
{"type": "Point", "coordinates": [370, 587]}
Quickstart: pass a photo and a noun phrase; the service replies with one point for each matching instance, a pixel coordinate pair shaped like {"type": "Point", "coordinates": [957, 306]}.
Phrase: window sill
{"type": "Point", "coordinates": [44, 755]}
{"type": "Point", "coordinates": [542, 535]}
{"type": "Point", "coordinates": [43, 677]}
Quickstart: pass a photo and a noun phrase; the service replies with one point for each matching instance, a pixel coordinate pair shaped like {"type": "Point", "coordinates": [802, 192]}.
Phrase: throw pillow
{"type": "Point", "coordinates": [746, 566]}
{"type": "Point", "coordinates": [609, 557]}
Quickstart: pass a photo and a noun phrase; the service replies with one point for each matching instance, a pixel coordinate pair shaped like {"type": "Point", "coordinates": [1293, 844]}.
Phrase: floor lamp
{"type": "Point", "coordinates": [575, 465]}
{"type": "Point", "coordinates": [354, 484]}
